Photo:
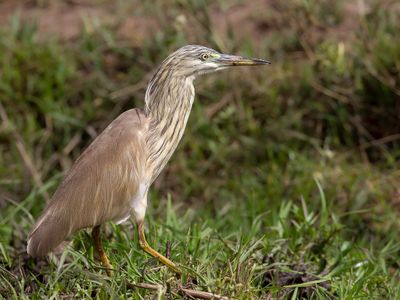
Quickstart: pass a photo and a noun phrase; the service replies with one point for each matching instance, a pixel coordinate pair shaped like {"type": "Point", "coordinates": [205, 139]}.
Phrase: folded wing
{"type": "Point", "coordinates": [99, 185]}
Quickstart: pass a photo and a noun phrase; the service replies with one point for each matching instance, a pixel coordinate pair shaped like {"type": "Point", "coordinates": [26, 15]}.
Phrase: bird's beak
{"type": "Point", "coordinates": [234, 60]}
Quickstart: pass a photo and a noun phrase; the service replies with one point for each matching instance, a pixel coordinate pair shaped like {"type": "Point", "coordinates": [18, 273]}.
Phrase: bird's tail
{"type": "Point", "coordinates": [48, 232]}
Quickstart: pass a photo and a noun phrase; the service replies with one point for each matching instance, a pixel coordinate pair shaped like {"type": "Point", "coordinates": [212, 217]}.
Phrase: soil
{"type": "Point", "coordinates": [135, 23]}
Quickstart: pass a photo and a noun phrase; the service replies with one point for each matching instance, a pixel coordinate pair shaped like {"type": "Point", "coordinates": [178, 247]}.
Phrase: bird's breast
{"type": "Point", "coordinates": [163, 143]}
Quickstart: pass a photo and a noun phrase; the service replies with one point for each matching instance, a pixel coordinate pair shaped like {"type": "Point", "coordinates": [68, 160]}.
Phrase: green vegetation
{"type": "Point", "coordinates": [286, 183]}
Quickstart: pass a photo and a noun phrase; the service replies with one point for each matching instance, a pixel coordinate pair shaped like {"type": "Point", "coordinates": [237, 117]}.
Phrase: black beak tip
{"type": "Point", "coordinates": [261, 61]}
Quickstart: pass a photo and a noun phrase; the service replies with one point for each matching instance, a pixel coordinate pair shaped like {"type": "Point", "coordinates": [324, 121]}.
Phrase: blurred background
{"type": "Point", "coordinates": [297, 161]}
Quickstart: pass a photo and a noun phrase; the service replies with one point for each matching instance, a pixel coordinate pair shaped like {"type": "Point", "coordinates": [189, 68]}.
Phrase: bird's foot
{"type": "Point", "coordinates": [161, 258]}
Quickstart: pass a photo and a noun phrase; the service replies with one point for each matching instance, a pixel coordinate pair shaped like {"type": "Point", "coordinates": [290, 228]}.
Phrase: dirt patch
{"type": "Point", "coordinates": [134, 23]}
{"type": "Point", "coordinates": [67, 20]}
{"type": "Point", "coordinates": [300, 274]}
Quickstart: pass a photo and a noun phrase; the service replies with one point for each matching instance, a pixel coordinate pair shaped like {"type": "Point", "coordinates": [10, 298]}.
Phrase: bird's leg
{"type": "Point", "coordinates": [145, 246]}
{"type": "Point", "coordinates": [98, 246]}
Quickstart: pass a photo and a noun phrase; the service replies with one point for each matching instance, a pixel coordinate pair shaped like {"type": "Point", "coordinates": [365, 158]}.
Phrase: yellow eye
{"type": "Point", "coordinates": [204, 56]}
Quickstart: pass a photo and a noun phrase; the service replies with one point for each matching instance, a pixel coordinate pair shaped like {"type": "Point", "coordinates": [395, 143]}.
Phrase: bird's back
{"type": "Point", "coordinates": [99, 185]}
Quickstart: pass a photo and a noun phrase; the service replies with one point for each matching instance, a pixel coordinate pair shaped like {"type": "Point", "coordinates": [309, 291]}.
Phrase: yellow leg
{"type": "Point", "coordinates": [99, 249]}
{"type": "Point", "coordinates": [145, 246]}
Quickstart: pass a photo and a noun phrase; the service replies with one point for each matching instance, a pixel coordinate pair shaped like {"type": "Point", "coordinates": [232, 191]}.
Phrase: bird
{"type": "Point", "coordinates": [110, 180]}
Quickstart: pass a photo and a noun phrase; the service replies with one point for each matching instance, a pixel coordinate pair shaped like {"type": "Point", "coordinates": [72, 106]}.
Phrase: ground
{"type": "Point", "coordinates": [285, 184]}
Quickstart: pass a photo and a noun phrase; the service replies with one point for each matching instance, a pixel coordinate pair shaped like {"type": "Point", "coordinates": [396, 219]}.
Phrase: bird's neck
{"type": "Point", "coordinates": [168, 105]}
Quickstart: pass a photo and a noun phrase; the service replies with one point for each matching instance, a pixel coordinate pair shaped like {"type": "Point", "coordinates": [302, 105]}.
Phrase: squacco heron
{"type": "Point", "coordinates": [111, 178]}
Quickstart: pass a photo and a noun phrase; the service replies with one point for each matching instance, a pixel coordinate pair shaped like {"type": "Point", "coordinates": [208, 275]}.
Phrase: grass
{"type": "Point", "coordinates": [284, 186]}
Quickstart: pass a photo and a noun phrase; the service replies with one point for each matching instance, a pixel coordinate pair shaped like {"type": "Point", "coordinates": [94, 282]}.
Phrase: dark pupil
{"type": "Point", "coordinates": [205, 56]}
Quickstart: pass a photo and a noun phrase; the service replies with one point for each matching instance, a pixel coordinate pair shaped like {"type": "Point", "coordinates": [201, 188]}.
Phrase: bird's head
{"type": "Point", "coordinates": [193, 60]}
{"type": "Point", "coordinates": [174, 77]}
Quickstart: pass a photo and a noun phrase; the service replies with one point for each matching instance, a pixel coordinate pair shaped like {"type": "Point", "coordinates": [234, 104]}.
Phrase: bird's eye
{"type": "Point", "coordinates": [204, 56]}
